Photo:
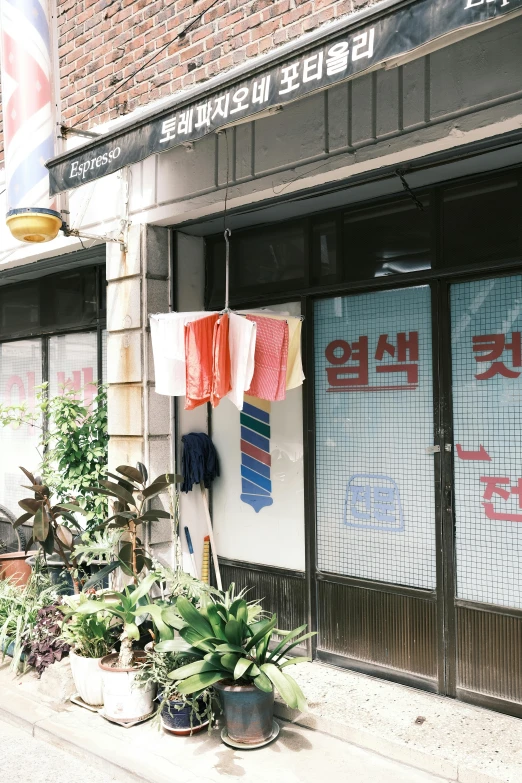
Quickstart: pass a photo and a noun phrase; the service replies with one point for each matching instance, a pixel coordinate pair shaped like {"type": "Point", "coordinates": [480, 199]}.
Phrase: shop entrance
{"type": "Point", "coordinates": [419, 499]}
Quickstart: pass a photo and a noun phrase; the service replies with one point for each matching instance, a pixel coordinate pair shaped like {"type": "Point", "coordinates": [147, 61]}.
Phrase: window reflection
{"type": "Point", "coordinates": [387, 240]}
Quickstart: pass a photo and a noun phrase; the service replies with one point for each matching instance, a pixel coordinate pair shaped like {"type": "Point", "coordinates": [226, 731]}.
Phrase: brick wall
{"type": "Point", "coordinates": [103, 42]}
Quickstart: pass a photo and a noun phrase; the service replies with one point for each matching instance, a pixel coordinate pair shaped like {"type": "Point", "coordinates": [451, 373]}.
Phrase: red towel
{"type": "Point", "coordinates": [221, 362]}
{"type": "Point", "coordinates": [269, 379]}
{"type": "Point", "coordinates": [199, 339]}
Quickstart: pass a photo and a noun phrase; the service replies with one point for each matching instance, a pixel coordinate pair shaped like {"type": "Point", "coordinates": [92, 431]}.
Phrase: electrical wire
{"type": "Point", "coordinates": [180, 35]}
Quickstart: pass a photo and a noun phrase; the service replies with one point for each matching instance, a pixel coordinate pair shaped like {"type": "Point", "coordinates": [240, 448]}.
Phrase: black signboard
{"type": "Point", "coordinates": [341, 57]}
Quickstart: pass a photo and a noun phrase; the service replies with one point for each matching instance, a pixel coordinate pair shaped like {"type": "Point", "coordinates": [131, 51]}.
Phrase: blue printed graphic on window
{"type": "Point", "coordinates": [373, 501]}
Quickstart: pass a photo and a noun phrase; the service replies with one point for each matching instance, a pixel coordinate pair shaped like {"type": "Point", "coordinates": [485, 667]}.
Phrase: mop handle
{"type": "Point", "coordinates": [191, 551]}
{"type": "Point", "coordinates": [211, 536]}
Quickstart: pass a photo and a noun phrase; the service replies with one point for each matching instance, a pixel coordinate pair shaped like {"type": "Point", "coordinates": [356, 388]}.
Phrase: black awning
{"type": "Point", "coordinates": [344, 55]}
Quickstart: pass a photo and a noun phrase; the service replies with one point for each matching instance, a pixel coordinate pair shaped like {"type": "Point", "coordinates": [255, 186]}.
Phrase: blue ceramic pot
{"type": "Point", "coordinates": [176, 717]}
{"type": "Point", "coordinates": [248, 712]}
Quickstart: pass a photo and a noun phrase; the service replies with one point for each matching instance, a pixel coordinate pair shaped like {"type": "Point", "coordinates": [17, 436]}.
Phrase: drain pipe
{"type": "Point", "coordinates": [29, 114]}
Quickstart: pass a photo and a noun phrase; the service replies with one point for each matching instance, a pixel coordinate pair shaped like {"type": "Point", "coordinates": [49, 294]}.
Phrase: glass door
{"type": "Point", "coordinates": [486, 343]}
{"type": "Point", "coordinates": [376, 515]}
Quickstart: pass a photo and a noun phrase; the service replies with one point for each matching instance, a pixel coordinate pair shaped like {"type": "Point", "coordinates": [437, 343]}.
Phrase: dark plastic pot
{"type": "Point", "coordinates": [9, 650]}
{"type": "Point", "coordinates": [175, 716]}
{"type": "Point", "coordinates": [248, 712]}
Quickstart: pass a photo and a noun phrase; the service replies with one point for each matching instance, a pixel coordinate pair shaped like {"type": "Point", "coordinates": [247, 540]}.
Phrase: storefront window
{"type": "Point", "coordinates": [73, 363]}
{"type": "Point", "coordinates": [388, 240]}
{"type": "Point", "coordinates": [324, 251]}
{"type": "Point", "coordinates": [20, 374]}
{"type": "Point", "coordinates": [374, 433]}
{"type": "Point", "coordinates": [482, 223]}
{"type": "Point", "coordinates": [486, 320]}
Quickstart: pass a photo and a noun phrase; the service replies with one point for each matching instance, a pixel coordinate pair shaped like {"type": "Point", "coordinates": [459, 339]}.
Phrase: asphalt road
{"type": "Point", "coordinates": [24, 759]}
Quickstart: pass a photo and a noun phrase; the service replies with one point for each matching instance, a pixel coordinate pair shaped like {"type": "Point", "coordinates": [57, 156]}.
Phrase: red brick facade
{"type": "Point", "coordinates": [103, 42]}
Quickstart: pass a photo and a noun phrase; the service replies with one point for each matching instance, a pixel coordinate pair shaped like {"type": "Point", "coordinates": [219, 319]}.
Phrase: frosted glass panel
{"type": "Point", "coordinates": [374, 430]}
{"type": "Point", "coordinates": [486, 334]}
{"type": "Point", "coordinates": [20, 373]}
{"type": "Point", "coordinates": [73, 363]}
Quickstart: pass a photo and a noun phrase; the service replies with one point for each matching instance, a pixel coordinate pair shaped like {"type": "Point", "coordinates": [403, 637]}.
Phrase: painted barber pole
{"type": "Point", "coordinates": [29, 118]}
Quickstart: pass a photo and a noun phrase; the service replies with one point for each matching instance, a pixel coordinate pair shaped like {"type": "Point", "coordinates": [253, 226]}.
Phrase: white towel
{"type": "Point", "coordinates": [168, 346]}
{"type": "Point", "coordinates": [242, 343]}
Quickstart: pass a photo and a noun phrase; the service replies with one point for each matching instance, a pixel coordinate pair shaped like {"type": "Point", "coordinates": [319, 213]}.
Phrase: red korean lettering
{"type": "Point", "coordinates": [406, 351]}
{"type": "Point", "coordinates": [496, 485]}
{"type": "Point", "coordinates": [339, 353]}
{"type": "Point", "coordinates": [490, 347]}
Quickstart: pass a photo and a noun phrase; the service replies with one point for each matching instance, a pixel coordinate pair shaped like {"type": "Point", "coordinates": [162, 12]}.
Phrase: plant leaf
{"type": "Point", "coordinates": [300, 697]}
{"type": "Point", "coordinates": [176, 646]}
{"type": "Point", "coordinates": [28, 474]}
{"type": "Point", "coordinates": [265, 627]}
{"type": "Point", "coordinates": [22, 519]}
{"type": "Point", "coordinates": [48, 544]}
{"type": "Point", "coordinates": [218, 626]}
{"type": "Point", "coordinates": [242, 666]}
{"type": "Point", "coordinates": [133, 473]}
{"type": "Point", "coordinates": [229, 648]}
{"type": "Point", "coordinates": [289, 647]}
{"type": "Point", "coordinates": [155, 514]}
{"type": "Point", "coordinates": [30, 504]}
{"type": "Point", "coordinates": [64, 535]}
{"type": "Point", "coordinates": [198, 682]}
{"type": "Point", "coordinates": [279, 680]}
{"type": "Point", "coordinates": [233, 632]}
{"type": "Point", "coordinates": [72, 507]}
{"type": "Point", "coordinates": [289, 635]}
{"type": "Point", "coordinates": [263, 683]}
{"type": "Point", "coordinates": [293, 661]}
{"type": "Point", "coordinates": [229, 661]}
{"type": "Point", "coordinates": [100, 575]}
{"type": "Point", "coordinates": [41, 524]}
{"type": "Point", "coordinates": [120, 492]}
{"type": "Point", "coordinates": [194, 618]}
{"type": "Point", "coordinates": [132, 631]}
{"type": "Point", "coordinates": [197, 667]}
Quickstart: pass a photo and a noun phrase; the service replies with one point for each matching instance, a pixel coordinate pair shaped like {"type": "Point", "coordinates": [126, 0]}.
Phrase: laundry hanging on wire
{"type": "Point", "coordinates": [206, 356]}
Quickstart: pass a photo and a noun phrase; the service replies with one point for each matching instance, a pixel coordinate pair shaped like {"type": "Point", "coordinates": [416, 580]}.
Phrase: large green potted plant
{"type": "Point", "coordinates": [91, 637]}
{"type": "Point", "coordinates": [234, 654]}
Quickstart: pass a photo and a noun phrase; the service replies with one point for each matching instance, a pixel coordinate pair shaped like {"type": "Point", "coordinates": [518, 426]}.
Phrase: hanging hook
{"type": "Point", "coordinates": [227, 234]}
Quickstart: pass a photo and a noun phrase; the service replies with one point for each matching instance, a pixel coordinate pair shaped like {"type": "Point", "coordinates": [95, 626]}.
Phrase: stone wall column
{"type": "Point", "coordinates": [138, 283]}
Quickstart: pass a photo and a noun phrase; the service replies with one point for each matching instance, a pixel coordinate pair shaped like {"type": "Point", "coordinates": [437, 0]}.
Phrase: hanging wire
{"type": "Point", "coordinates": [400, 173]}
{"type": "Point", "coordinates": [227, 234]}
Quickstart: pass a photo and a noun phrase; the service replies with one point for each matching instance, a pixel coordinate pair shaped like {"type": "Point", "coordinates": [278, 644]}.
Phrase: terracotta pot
{"type": "Point", "coordinates": [122, 699]}
{"type": "Point", "coordinates": [248, 712]}
{"type": "Point", "coordinates": [13, 566]}
{"type": "Point", "coordinates": [87, 677]}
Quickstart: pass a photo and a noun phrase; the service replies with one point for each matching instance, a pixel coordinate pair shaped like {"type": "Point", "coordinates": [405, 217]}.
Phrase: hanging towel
{"type": "Point", "coordinates": [271, 356]}
{"type": "Point", "coordinates": [221, 384]}
{"type": "Point", "coordinates": [242, 342]}
{"type": "Point", "coordinates": [294, 368]}
{"type": "Point", "coordinates": [199, 339]}
{"type": "Point", "coordinates": [168, 347]}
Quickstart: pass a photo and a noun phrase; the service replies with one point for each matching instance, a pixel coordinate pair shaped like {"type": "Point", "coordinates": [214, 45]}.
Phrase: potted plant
{"type": "Point", "coordinates": [232, 647]}
{"type": "Point", "coordinates": [178, 714]}
{"type": "Point", "coordinates": [123, 701]}
{"type": "Point", "coordinates": [91, 637]}
{"type": "Point", "coordinates": [19, 607]}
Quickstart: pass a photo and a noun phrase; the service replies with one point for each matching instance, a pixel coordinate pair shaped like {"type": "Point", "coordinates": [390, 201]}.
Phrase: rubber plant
{"type": "Point", "coordinates": [232, 644]}
{"type": "Point", "coordinates": [131, 495]}
{"type": "Point", "coordinates": [49, 530]}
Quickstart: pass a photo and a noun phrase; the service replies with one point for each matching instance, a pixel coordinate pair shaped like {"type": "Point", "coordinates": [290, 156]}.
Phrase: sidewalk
{"type": "Point", "coordinates": [145, 754]}
{"type": "Point", "coordinates": [454, 742]}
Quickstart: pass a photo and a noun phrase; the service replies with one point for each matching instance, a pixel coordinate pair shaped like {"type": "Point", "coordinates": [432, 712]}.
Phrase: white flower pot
{"type": "Point", "coordinates": [123, 699]}
{"type": "Point", "coordinates": [87, 677]}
